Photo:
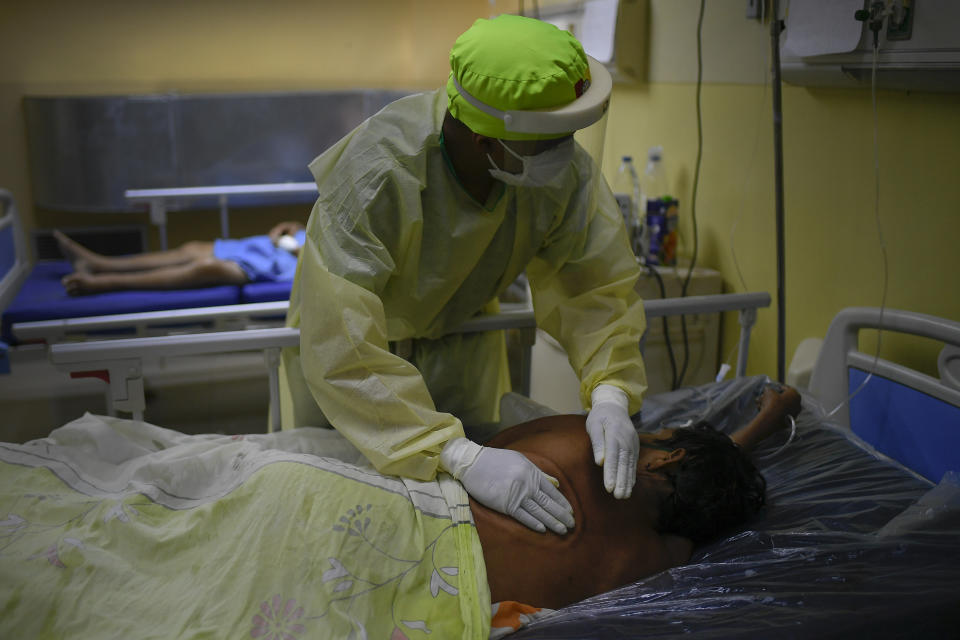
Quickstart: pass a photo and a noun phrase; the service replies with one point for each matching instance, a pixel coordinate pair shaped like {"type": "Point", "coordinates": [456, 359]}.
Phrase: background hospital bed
{"type": "Point", "coordinates": [36, 308]}
{"type": "Point", "coordinates": [36, 311]}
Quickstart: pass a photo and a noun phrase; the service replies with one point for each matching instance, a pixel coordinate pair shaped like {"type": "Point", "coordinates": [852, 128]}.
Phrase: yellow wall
{"type": "Point", "coordinates": [832, 253]}
{"type": "Point", "coordinates": [63, 47]}
{"type": "Point", "coordinates": [59, 47]}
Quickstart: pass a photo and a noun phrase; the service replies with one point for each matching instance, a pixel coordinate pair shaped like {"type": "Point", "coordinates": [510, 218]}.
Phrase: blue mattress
{"type": "Point", "coordinates": [42, 297]}
{"type": "Point", "coordinates": [880, 412]}
{"type": "Point", "coordinates": [264, 292]}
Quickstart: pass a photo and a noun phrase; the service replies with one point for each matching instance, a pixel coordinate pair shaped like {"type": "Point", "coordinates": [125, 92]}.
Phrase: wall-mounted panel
{"type": "Point", "coordinates": [84, 152]}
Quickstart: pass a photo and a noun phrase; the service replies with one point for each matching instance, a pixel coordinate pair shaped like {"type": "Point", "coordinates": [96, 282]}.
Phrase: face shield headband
{"type": "Point", "coordinates": [580, 113]}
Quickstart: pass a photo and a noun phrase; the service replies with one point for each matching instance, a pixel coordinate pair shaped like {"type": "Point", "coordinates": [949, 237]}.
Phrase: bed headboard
{"type": "Point", "coordinates": [907, 415]}
{"type": "Point", "coordinates": [14, 263]}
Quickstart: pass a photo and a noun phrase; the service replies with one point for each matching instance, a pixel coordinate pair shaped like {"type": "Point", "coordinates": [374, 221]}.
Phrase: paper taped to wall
{"type": "Point", "coordinates": [820, 27]}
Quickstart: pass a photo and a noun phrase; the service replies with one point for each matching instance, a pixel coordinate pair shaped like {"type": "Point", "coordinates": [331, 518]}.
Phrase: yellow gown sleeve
{"type": "Point", "coordinates": [376, 399]}
{"type": "Point", "coordinates": [583, 285]}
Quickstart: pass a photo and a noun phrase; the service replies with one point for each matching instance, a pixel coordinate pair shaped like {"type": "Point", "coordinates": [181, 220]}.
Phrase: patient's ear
{"type": "Point", "coordinates": [668, 459]}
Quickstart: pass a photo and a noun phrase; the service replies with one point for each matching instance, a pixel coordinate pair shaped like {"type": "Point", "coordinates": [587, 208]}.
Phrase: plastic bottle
{"type": "Point", "coordinates": [661, 211]}
{"type": "Point", "coordinates": [626, 189]}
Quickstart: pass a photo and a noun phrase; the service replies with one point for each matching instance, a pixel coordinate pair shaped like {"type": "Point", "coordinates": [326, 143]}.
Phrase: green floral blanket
{"type": "Point", "coordinates": [111, 528]}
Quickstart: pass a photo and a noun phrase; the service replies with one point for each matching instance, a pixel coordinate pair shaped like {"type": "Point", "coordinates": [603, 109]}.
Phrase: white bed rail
{"type": "Point", "coordinates": [160, 200]}
{"type": "Point", "coordinates": [219, 318]}
{"type": "Point", "coordinates": [829, 380]}
{"type": "Point", "coordinates": [120, 362]}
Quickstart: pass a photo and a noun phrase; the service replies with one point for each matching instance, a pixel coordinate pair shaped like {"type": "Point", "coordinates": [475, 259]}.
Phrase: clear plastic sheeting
{"type": "Point", "coordinates": [850, 544]}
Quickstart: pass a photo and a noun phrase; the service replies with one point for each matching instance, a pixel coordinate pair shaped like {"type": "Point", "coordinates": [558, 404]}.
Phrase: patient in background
{"type": "Point", "coordinates": [692, 485]}
{"type": "Point", "coordinates": [268, 258]}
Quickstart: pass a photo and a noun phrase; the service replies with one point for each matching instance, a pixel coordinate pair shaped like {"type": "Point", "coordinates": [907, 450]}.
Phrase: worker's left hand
{"type": "Point", "coordinates": [614, 439]}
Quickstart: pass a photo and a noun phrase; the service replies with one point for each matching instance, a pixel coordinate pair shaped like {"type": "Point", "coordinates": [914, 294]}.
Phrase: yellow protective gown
{"type": "Point", "coordinates": [397, 249]}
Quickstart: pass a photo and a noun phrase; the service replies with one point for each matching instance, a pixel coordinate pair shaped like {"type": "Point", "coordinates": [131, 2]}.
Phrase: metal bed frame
{"type": "Point", "coordinates": [120, 362]}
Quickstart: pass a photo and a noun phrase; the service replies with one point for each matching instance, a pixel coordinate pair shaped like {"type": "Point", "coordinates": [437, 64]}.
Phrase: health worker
{"type": "Point", "coordinates": [427, 212]}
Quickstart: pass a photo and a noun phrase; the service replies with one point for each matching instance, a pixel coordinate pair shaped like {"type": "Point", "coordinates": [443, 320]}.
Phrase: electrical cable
{"type": "Point", "coordinates": [693, 198]}
{"type": "Point", "coordinates": [666, 329]}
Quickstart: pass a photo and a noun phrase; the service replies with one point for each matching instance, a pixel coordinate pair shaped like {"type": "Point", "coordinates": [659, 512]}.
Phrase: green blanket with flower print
{"type": "Point", "coordinates": [112, 528]}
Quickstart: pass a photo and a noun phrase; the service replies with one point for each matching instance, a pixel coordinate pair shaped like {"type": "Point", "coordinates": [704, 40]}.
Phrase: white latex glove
{"type": "Point", "coordinates": [614, 439]}
{"type": "Point", "coordinates": [508, 482]}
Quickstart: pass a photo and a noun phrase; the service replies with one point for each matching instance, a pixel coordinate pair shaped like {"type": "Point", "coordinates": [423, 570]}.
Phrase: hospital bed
{"type": "Point", "coordinates": [861, 534]}
{"type": "Point", "coordinates": [853, 542]}
{"type": "Point", "coordinates": [35, 307]}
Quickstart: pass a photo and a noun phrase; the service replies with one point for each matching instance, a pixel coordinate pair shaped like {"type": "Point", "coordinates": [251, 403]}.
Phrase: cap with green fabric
{"type": "Point", "coordinates": [518, 78]}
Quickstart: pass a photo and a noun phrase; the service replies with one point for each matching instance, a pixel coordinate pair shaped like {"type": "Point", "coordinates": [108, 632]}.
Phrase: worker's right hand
{"type": "Point", "coordinates": [508, 482]}
{"type": "Point", "coordinates": [614, 439]}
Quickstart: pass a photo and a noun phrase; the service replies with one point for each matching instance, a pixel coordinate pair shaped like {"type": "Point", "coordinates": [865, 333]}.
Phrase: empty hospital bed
{"type": "Point", "coordinates": [226, 535]}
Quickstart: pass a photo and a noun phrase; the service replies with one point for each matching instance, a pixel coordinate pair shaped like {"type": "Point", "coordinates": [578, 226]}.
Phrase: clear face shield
{"type": "Point", "coordinates": [592, 139]}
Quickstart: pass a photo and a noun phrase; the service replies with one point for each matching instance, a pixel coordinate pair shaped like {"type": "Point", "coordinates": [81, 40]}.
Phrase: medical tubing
{"type": "Point", "coordinates": [793, 433]}
{"type": "Point", "coordinates": [883, 243]}
{"type": "Point", "coordinates": [693, 198]}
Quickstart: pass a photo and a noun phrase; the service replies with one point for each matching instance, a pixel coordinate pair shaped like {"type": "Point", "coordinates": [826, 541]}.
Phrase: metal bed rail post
{"type": "Point", "coordinates": [748, 318]}
{"type": "Point", "coordinates": [271, 357]}
{"type": "Point", "coordinates": [158, 218]}
{"type": "Point", "coordinates": [224, 217]}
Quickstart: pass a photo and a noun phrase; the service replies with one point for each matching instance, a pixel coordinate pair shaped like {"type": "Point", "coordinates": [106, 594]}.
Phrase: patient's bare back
{"type": "Point", "coordinates": [613, 543]}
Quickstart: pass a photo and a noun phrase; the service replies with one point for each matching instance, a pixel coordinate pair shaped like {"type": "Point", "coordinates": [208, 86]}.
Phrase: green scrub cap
{"type": "Point", "coordinates": [511, 63]}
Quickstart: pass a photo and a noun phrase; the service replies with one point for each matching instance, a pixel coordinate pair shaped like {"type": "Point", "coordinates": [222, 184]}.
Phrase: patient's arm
{"type": "Point", "coordinates": [774, 407]}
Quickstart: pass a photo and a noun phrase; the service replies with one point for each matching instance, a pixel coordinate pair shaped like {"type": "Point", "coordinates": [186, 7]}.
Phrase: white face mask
{"type": "Point", "coordinates": [539, 170]}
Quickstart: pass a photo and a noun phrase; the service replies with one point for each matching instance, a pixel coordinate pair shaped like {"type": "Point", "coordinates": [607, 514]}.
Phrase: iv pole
{"type": "Point", "coordinates": [775, 27]}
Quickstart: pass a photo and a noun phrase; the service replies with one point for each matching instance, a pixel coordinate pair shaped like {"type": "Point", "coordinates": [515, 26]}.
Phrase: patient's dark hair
{"type": "Point", "coordinates": [716, 487]}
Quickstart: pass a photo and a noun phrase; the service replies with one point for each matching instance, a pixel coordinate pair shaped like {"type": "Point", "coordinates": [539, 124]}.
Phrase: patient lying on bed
{"type": "Point", "coordinates": [692, 485]}
{"type": "Point", "coordinates": [268, 258]}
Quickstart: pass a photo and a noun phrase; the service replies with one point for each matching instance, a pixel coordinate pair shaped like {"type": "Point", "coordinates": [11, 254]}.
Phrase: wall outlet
{"type": "Point", "coordinates": [900, 21]}
{"type": "Point", "coordinates": [755, 9]}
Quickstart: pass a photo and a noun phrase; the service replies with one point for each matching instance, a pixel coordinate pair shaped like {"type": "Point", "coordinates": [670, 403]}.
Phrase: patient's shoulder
{"type": "Point", "coordinates": [546, 431]}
